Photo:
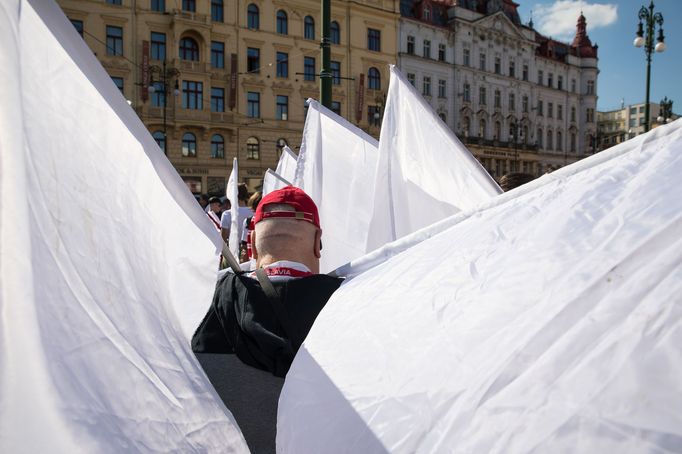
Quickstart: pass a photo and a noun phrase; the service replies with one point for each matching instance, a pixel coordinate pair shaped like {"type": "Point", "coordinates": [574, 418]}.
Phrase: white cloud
{"type": "Point", "coordinates": [558, 19]}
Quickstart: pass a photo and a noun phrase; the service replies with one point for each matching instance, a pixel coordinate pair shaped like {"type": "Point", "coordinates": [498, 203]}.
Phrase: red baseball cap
{"type": "Point", "coordinates": [305, 208]}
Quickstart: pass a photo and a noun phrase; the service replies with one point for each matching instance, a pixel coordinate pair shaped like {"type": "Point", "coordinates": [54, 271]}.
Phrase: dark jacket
{"type": "Point", "coordinates": [242, 319]}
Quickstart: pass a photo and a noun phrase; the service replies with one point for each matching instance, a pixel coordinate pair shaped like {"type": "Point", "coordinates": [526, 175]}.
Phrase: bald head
{"type": "Point", "coordinates": [279, 238]}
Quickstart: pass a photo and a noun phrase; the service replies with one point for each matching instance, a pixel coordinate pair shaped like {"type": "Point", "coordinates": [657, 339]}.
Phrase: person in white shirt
{"type": "Point", "coordinates": [243, 213]}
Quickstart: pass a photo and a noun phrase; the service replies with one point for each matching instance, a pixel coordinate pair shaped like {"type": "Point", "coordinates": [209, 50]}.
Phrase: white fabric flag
{"type": "Point", "coordinates": [99, 292]}
{"type": "Point", "coordinates": [549, 319]}
{"type": "Point", "coordinates": [232, 193]}
{"type": "Point", "coordinates": [336, 167]}
{"type": "Point", "coordinates": [286, 166]}
{"type": "Point", "coordinates": [273, 181]}
{"type": "Point", "coordinates": [424, 173]}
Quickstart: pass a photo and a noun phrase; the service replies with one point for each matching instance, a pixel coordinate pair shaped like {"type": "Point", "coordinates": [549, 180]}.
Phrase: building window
{"type": "Point", "coordinates": [158, 46]}
{"type": "Point", "coordinates": [118, 81]}
{"type": "Point", "coordinates": [559, 140]}
{"type": "Point", "coordinates": [481, 128]}
{"type": "Point", "coordinates": [373, 115]}
{"type": "Point", "coordinates": [524, 104]}
{"type": "Point", "coordinates": [525, 73]}
{"type": "Point", "coordinates": [481, 96]}
{"type": "Point", "coordinates": [374, 39]}
{"type": "Point", "coordinates": [410, 45]}
{"type": "Point", "coordinates": [252, 60]}
{"type": "Point", "coordinates": [573, 85]}
{"type": "Point", "coordinates": [550, 110]}
{"type": "Point", "coordinates": [541, 77]}
{"type": "Point", "coordinates": [158, 96]}
{"type": "Point", "coordinates": [253, 104]}
{"type": "Point", "coordinates": [309, 27]}
{"type": "Point", "coordinates": [560, 112]}
{"type": "Point", "coordinates": [560, 82]}
{"type": "Point", "coordinates": [466, 93]}
{"type": "Point", "coordinates": [549, 144]}
{"type": "Point", "coordinates": [466, 126]}
{"type": "Point", "coordinates": [217, 146]}
{"type": "Point", "coordinates": [426, 86]}
{"type": "Point", "coordinates": [192, 95]}
{"type": "Point", "coordinates": [512, 102]}
{"type": "Point", "coordinates": [114, 40]}
{"type": "Point", "coordinates": [498, 130]}
{"type": "Point", "coordinates": [189, 49]}
{"type": "Point", "coordinates": [217, 54]}
{"type": "Point", "coordinates": [217, 99]}
{"type": "Point", "coordinates": [426, 52]}
{"type": "Point", "coordinates": [78, 25]}
{"type": "Point", "coordinates": [335, 67]}
{"type": "Point", "coordinates": [252, 148]}
{"type": "Point", "coordinates": [441, 52]}
{"type": "Point", "coordinates": [572, 142]}
{"type": "Point", "coordinates": [252, 17]}
{"type": "Point", "coordinates": [282, 64]}
{"type": "Point", "coordinates": [540, 108]}
{"type": "Point", "coordinates": [550, 80]}
{"type": "Point", "coordinates": [539, 137]}
{"type": "Point", "coordinates": [189, 5]}
{"type": "Point", "coordinates": [335, 33]}
{"type": "Point", "coordinates": [217, 11]}
{"type": "Point", "coordinates": [189, 145]}
{"type": "Point", "coordinates": [282, 23]}
{"type": "Point", "coordinates": [481, 61]}
{"type": "Point", "coordinates": [442, 89]}
{"type": "Point", "coordinates": [282, 108]}
{"type": "Point", "coordinates": [426, 13]}
{"type": "Point", "coordinates": [572, 113]}
{"type": "Point", "coordinates": [466, 57]}
{"type": "Point", "coordinates": [498, 99]}
{"type": "Point", "coordinates": [590, 116]}
{"type": "Point", "coordinates": [160, 140]}
{"type": "Point", "coordinates": [309, 68]}
{"type": "Point", "coordinates": [512, 69]}
{"type": "Point", "coordinates": [158, 6]}
{"type": "Point", "coordinates": [115, 2]}
{"type": "Point", "coordinates": [411, 78]}
{"type": "Point", "coordinates": [498, 65]}
{"type": "Point", "coordinates": [641, 109]}
{"type": "Point", "coordinates": [336, 107]}
{"type": "Point", "coordinates": [374, 79]}
{"type": "Point", "coordinates": [590, 87]}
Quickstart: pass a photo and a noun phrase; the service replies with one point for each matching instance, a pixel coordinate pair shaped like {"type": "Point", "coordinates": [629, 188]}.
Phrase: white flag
{"type": "Point", "coordinates": [547, 320]}
{"type": "Point", "coordinates": [99, 292]}
{"type": "Point", "coordinates": [424, 173]}
{"type": "Point", "coordinates": [232, 193]}
{"type": "Point", "coordinates": [286, 166]}
{"type": "Point", "coordinates": [336, 167]}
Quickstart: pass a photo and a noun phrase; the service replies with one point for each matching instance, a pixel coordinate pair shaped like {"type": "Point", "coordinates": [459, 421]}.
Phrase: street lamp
{"type": "Point", "coordinates": [666, 111]}
{"type": "Point", "coordinates": [645, 38]}
{"type": "Point", "coordinates": [166, 75]}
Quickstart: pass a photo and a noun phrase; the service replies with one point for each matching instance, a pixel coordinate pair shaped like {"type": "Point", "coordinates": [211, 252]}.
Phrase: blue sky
{"type": "Point", "coordinates": [612, 24]}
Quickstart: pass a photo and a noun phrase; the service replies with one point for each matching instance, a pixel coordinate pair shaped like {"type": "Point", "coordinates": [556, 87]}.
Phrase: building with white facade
{"type": "Point", "coordinates": [522, 102]}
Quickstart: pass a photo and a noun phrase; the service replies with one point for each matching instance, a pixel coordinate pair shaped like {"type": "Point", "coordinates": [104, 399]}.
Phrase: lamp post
{"type": "Point", "coordinates": [666, 111]}
{"type": "Point", "coordinates": [166, 74]}
{"type": "Point", "coordinates": [645, 37]}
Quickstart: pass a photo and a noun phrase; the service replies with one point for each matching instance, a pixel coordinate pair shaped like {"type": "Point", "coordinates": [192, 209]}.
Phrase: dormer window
{"type": "Point", "coordinates": [426, 13]}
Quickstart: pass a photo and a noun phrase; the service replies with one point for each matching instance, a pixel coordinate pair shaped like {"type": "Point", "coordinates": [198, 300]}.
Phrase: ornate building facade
{"type": "Point", "coordinates": [522, 102]}
{"type": "Point", "coordinates": [231, 78]}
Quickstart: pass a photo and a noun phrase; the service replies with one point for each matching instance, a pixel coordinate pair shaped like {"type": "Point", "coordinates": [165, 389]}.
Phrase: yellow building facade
{"type": "Point", "coordinates": [237, 74]}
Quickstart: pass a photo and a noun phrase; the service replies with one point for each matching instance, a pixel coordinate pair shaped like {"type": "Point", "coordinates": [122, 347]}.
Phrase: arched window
{"type": "Point", "coordinates": [189, 49]}
{"type": "Point", "coordinates": [374, 79]}
{"type": "Point", "coordinates": [217, 146]}
{"type": "Point", "coordinates": [252, 148]}
{"type": "Point", "coordinates": [539, 137]}
{"type": "Point", "coordinates": [160, 139]}
{"type": "Point", "coordinates": [309, 27]}
{"type": "Point", "coordinates": [559, 141]}
{"type": "Point", "coordinates": [550, 140]}
{"type": "Point", "coordinates": [252, 17]}
{"type": "Point", "coordinates": [335, 33]}
{"type": "Point", "coordinates": [282, 23]}
{"type": "Point", "coordinates": [189, 144]}
{"type": "Point", "coordinates": [572, 142]}
{"type": "Point", "coordinates": [481, 128]}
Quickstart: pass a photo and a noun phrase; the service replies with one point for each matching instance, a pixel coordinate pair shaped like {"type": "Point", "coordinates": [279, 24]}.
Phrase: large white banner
{"type": "Point", "coordinates": [286, 166]}
{"type": "Point", "coordinates": [424, 173]}
{"type": "Point", "coordinates": [107, 263]}
{"type": "Point", "coordinates": [336, 168]}
{"type": "Point", "coordinates": [548, 319]}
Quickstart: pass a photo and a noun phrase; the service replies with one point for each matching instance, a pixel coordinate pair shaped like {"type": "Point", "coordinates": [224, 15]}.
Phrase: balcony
{"type": "Point", "coordinates": [192, 18]}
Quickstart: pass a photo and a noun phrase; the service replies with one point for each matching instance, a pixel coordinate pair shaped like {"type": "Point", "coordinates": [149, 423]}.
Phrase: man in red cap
{"type": "Point", "coordinates": [264, 316]}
